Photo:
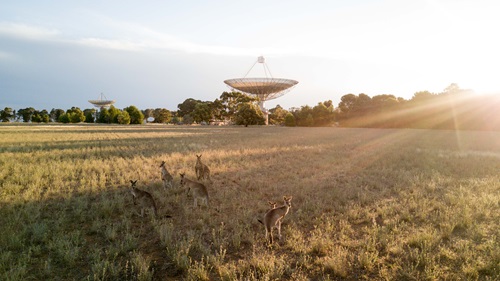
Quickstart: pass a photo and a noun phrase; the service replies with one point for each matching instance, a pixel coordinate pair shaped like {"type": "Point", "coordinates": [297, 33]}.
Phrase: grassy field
{"type": "Point", "coordinates": [368, 204]}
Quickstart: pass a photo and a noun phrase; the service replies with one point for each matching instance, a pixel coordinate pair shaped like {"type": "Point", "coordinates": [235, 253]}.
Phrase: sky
{"type": "Point", "coordinates": [156, 54]}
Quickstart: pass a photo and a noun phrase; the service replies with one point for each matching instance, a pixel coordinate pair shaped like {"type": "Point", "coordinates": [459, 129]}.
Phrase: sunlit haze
{"type": "Point", "coordinates": [156, 54]}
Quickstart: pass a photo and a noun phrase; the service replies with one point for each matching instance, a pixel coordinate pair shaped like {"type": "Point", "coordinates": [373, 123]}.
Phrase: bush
{"type": "Point", "coordinates": [124, 118]}
{"type": "Point", "coordinates": [135, 115]}
{"type": "Point", "coordinates": [249, 114]}
{"type": "Point", "coordinates": [290, 120]}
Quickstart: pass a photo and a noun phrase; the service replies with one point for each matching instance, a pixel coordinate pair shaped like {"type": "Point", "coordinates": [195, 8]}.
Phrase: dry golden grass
{"type": "Point", "coordinates": [367, 203]}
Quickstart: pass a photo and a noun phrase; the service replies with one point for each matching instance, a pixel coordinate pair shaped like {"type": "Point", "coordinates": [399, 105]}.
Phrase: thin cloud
{"type": "Point", "coordinates": [139, 39]}
{"type": "Point", "coordinates": [110, 44]}
{"type": "Point", "coordinates": [25, 31]}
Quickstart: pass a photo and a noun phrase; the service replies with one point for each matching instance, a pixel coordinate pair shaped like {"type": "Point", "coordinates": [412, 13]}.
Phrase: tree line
{"type": "Point", "coordinates": [129, 115]}
{"type": "Point", "coordinates": [453, 108]}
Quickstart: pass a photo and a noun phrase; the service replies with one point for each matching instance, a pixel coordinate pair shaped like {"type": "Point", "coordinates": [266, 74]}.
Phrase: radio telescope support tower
{"type": "Point", "coordinates": [264, 88]}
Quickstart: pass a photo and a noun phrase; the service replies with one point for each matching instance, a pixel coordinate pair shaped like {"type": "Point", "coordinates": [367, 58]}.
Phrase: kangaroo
{"type": "Point", "coordinates": [272, 204]}
{"type": "Point", "coordinates": [145, 199]}
{"type": "Point", "coordinates": [273, 218]}
{"type": "Point", "coordinates": [202, 170]}
{"type": "Point", "coordinates": [199, 190]}
{"type": "Point", "coordinates": [166, 177]}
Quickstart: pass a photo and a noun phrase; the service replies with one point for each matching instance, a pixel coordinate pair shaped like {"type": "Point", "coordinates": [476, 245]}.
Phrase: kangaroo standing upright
{"type": "Point", "coordinates": [144, 198]}
{"type": "Point", "coordinates": [166, 177]}
{"type": "Point", "coordinates": [202, 170]}
{"type": "Point", "coordinates": [273, 218]}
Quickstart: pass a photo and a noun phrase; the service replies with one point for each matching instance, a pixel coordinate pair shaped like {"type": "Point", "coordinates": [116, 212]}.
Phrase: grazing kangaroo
{"type": "Point", "coordinates": [273, 218]}
{"type": "Point", "coordinates": [166, 177]}
{"type": "Point", "coordinates": [202, 170]}
{"type": "Point", "coordinates": [145, 199]}
{"type": "Point", "coordinates": [199, 190]}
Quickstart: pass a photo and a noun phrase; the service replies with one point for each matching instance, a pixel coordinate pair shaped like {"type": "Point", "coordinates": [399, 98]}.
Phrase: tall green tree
{"type": "Point", "coordinates": [290, 120]}
{"type": "Point", "coordinates": [217, 109]}
{"type": "Point", "coordinates": [303, 116]}
{"type": "Point", "coordinates": [187, 107]}
{"type": "Point", "coordinates": [162, 115]}
{"type": "Point", "coordinates": [249, 114]}
{"type": "Point", "coordinates": [40, 116]}
{"type": "Point", "coordinates": [123, 118]}
{"type": "Point", "coordinates": [277, 115]}
{"type": "Point", "coordinates": [384, 103]}
{"type": "Point", "coordinates": [73, 115]}
{"type": "Point", "coordinates": [347, 103]}
{"type": "Point", "coordinates": [104, 116]}
{"type": "Point", "coordinates": [6, 114]}
{"type": "Point", "coordinates": [422, 96]}
{"type": "Point", "coordinates": [363, 104]}
{"type": "Point", "coordinates": [77, 115]}
{"type": "Point", "coordinates": [352, 106]}
{"type": "Point", "coordinates": [64, 118]}
{"type": "Point", "coordinates": [202, 112]}
{"type": "Point", "coordinates": [113, 114]}
{"type": "Point", "coordinates": [322, 115]}
{"type": "Point", "coordinates": [230, 103]}
{"type": "Point", "coordinates": [136, 116]}
{"type": "Point", "coordinates": [26, 113]}
{"type": "Point", "coordinates": [55, 113]}
{"type": "Point", "coordinates": [89, 115]}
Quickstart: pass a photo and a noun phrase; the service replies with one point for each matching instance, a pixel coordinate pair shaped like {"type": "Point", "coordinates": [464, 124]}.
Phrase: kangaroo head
{"type": "Point", "coordinates": [272, 204]}
{"type": "Point", "coordinates": [199, 157]}
{"type": "Point", "coordinates": [133, 183]}
{"type": "Point", "coordinates": [288, 201]}
{"type": "Point", "coordinates": [183, 180]}
{"type": "Point", "coordinates": [162, 164]}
